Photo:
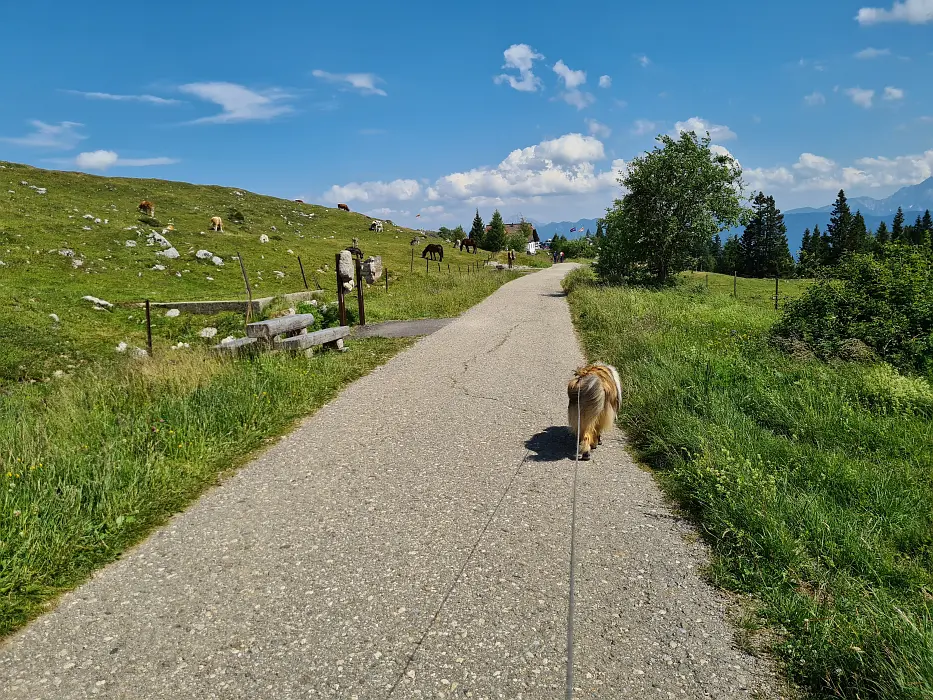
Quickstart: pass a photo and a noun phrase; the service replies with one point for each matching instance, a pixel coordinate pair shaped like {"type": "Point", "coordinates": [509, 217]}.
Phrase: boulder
{"type": "Point", "coordinates": [345, 267]}
{"type": "Point", "coordinates": [372, 269]}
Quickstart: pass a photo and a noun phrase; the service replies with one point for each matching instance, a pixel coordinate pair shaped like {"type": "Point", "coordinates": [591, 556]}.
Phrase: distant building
{"type": "Point", "coordinates": [533, 242]}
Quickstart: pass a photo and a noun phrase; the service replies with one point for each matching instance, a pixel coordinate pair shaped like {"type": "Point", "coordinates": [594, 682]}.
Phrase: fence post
{"type": "Point", "coordinates": [341, 302]}
{"type": "Point", "coordinates": [359, 291]}
{"type": "Point", "coordinates": [302, 268]}
{"type": "Point", "coordinates": [148, 329]}
{"type": "Point", "coordinates": [427, 269]}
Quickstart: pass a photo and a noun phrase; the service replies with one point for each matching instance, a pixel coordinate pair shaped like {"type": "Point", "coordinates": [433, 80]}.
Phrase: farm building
{"type": "Point", "coordinates": [533, 243]}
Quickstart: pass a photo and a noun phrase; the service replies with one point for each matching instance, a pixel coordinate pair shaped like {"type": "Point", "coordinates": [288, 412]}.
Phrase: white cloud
{"type": "Point", "coordinates": [861, 97]}
{"type": "Point", "coordinates": [561, 166]}
{"type": "Point", "coordinates": [238, 103]}
{"type": "Point", "coordinates": [911, 11]}
{"type": "Point", "coordinates": [764, 179]}
{"type": "Point", "coordinates": [364, 83]}
{"type": "Point", "coordinates": [102, 160]}
{"type": "Point", "coordinates": [63, 136]}
{"type": "Point", "coordinates": [893, 93]}
{"type": "Point", "coordinates": [643, 60]}
{"type": "Point", "coordinates": [520, 57]}
{"type": "Point", "coordinates": [717, 132]}
{"type": "Point", "coordinates": [597, 129]}
{"type": "Point", "coordinates": [605, 81]}
{"type": "Point", "coordinates": [151, 99]}
{"type": "Point", "coordinates": [872, 53]}
{"type": "Point", "coordinates": [814, 99]}
{"type": "Point", "coordinates": [572, 80]}
{"type": "Point", "coordinates": [808, 162]}
{"type": "Point", "coordinates": [643, 126]}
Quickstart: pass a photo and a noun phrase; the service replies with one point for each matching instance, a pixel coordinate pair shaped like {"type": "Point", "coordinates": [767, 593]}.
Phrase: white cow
{"type": "Point", "coordinates": [376, 226]}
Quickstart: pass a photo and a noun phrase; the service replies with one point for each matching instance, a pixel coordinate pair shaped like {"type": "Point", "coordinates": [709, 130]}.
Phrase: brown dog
{"type": "Point", "coordinates": [594, 394]}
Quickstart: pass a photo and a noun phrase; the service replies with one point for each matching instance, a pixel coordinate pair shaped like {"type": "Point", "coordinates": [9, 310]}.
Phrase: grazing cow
{"type": "Point", "coordinates": [343, 206]}
{"type": "Point", "coordinates": [300, 201]}
{"type": "Point", "coordinates": [433, 249]}
{"type": "Point", "coordinates": [217, 224]}
{"type": "Point", "coordinates": [376, 226]}
{"type": "Point", "coordinates": [147, 207]}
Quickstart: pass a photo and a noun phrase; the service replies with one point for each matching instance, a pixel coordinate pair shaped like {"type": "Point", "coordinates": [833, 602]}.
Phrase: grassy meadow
{"type": "Point", "coordinates": [97, 446]}
{"type": "Point", "coordinates": [52, 257]}
{"type": "Point", "coordinates": [813, 482]}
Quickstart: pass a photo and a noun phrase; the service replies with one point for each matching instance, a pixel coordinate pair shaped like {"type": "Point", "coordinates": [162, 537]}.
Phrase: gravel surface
{"type": "Point", "coordinates": [410, 540]}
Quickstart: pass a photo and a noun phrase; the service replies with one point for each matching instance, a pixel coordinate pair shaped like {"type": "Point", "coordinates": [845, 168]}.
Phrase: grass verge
{"type": "Point", "coordinates": [813, 482]}
{"type": "Point", "coordinates": [93, 462]}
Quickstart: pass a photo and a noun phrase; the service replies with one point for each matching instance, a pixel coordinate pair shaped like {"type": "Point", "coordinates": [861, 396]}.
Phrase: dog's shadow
{"type": "Point", "coordinates": [552, 444]}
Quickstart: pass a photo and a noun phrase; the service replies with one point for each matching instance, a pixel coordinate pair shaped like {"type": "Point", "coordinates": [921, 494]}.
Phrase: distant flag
{"type": "Point", "coordinates": [572, 230]}
{"type": "Point", "coordinates": [417, 216]}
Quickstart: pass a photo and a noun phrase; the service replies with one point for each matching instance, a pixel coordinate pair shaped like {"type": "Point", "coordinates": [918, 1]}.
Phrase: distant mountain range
{"type": "Point", "coordinates": [913, 199]}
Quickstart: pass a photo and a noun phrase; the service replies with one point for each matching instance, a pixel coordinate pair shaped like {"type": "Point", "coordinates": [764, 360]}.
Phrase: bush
{"type": "Point", "coordinates": [884, 301]}
{"type": "Point", "coordinates": [580, 277]}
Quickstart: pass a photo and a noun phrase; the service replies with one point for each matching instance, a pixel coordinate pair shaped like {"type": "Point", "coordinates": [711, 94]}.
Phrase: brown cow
{"type": "Point", "coordinates": [343, 206]}
{"type": "Point", "coordinates": [147, 207]}
{"type": "Point", "coordinates": [217, 224]}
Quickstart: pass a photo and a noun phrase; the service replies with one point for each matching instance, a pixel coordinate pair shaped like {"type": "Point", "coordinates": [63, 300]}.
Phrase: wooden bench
{"type": "Point", "coordinates": [284, 325]}
{"type": "Point", "coordinates": [328, 337]}
{"type": "Point", "coordinates": [240, 346]}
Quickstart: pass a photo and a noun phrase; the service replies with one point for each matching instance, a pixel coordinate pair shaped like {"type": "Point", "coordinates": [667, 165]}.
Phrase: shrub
{"type": "Point", "coordinates": [580, 277]}
{"type": "Point", "coordinates": [884, 301]}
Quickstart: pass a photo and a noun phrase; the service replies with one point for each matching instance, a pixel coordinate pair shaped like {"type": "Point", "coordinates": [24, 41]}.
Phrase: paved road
{"type": "Point", "coordinates": [410, 540]}
{"type": "Point", "coordinates": [400, 329]}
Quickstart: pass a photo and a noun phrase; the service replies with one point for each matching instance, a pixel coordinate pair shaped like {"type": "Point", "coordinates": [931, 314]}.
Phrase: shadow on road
{"type": "Point", "coordinates": [551, 444]}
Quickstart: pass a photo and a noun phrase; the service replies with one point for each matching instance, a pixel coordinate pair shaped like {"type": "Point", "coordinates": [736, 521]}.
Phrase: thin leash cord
{"type": "Point", "coordinates": [573, 557]}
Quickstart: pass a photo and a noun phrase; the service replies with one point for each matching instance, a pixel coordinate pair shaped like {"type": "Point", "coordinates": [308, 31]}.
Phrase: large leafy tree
{"type": "Point", "coordinates": [678, 197]}
{"type": "Point", "coordinates": [495, 239]}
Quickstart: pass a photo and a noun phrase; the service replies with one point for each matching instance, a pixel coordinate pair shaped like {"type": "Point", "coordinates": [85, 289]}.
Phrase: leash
{"type": "Point", "coordinates": [573, 557]}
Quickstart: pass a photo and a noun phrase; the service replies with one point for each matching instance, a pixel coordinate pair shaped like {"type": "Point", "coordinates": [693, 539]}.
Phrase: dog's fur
{"type": "Point", "coordinates": [598, 389]}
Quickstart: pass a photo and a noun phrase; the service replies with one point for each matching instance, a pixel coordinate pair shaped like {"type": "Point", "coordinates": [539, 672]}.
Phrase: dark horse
{"type": "Point", "coordinates": [433, 249]}
{"type": "Point", "coordinates": [356, 252]}
{"type": "Point", "coordinates": [468, 243]}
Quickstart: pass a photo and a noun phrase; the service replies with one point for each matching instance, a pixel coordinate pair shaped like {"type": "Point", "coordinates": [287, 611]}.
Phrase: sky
{"type": "Point", "coordinates": [400, 109]}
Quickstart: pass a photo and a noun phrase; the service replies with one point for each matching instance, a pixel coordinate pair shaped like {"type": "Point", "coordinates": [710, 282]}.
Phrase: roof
{"type": "Point", "coordinates": [512, 229]}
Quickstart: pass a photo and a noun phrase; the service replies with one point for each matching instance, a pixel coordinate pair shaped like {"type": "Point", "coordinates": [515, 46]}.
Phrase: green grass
{"type": "Point", "coordinates": [98, 447]}
{"type": "Point", "coordinates": [36, 280]}
{"type": "Point", "coordinates": [813, 482]}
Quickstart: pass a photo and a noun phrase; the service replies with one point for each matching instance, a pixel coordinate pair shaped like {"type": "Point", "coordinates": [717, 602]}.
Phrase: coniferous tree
{"type": "Point", "coordinates": [717, 254]}
{"type": "Point", "coordinates": [805, 255]}
{"type": "Point", "coordinates": [764, 243]}
{"type": "Point", "coordinates": [897, 227]}
{"type": "Point", "coordinates": [859, 238]}
{"type": "Point", "coordinates": [732, 255]}
{"type": "Point", "coordinates": [478, 230]}
{"type": "Point", "coordinates": [914, 234]}
{"type": "Point", "coordinates": [882, 236]}
{"type": "Point", "coordinates": [927, 221]}
{"type": "Point", "coordinates": [818, 247]}
{"type": "Point", "coordinates": [839, 231]}
{"type": "Point", "coordinates": [495, 239]}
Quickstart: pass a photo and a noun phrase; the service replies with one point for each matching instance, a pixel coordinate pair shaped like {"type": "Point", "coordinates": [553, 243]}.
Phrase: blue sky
{"type": "Point", "coordinates": [417, 107]}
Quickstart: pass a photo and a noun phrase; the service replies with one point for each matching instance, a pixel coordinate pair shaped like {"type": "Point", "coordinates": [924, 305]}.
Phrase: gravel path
{"type": "Point", "coordinates": [410, 540]}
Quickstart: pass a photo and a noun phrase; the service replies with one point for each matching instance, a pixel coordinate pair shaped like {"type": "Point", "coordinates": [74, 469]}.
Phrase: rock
{"type": "Point", "coordinates": [208, 332]}
{"type": "Point", "coordinates": [172, 313]}
{"type": "Point", "coordinates": [180, 346]}
{"type": "Point", "coordinates": [203, 254]}
{"type": "Point", "coordinates": [139, 352]}
{"type": "Point", "coordinates": [279, 274]}
{"type": "Point", "coordinates": [209, 279]}
{"type": "Point", "coordinates": [157, 239]}
{"type": "Point", "coordinates": [98, 302]}
{"type": "Point", "coordinates": [218, 261]}
{"type": "Point", "coordinates": [54, 317]}
{"type": "Point", "coordinates": [66, 252]}
{"type": "Point", "coordinates": [170, 253]}
{"type": "Point", "coordinates": [88, 216]}
{"type": "Point", "coordinates": [77, 262]}
{"type": "Point", "coordinates": [290, 251]}
{"type": "Point", "coordinates": [85, 228]}
{"type": "Point", "coordinates": [263, 238]}
{"type": "Point", "coordinates": [97, 221]}
{"type": "Point", "coordinates": [121, 347]}
{"type": "Point", "coordinates": [345, 266]}
{"type": "Point", "coordinates": [130, 244]}
{"type": "Point", "coordinates": [157, 268]}
{"type": "Point", "coordinates": [58, 374]}
{"type": "Point", "coordinates": [372, 269]}
{"type": "Point", "coordinates": [226, 341]}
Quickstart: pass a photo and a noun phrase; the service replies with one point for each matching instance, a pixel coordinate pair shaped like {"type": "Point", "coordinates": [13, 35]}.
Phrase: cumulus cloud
{"type": "Point", "coordinates": [363, 83]}
{"type": "Point", "coordinates": [717, 132]}
{"type": "Point", "coordinates": [764, 179]}
{"type": "Point", "coordinates": [561, 166]}
{"type": "Point", "coordinates": [814, 99]}
{"type": "Point", "coordinates": [150, 99]}
{"type": "Point", "coordinates": [643, 126]}
{"type": "Point", "coordinates": [910, 11]}
{"type": "Point", "coordinates": [572, 80]}
{"type": "Point", "coordinates": [808, 162]}
{"type": "Point", "coordinates": [238, 102]}
{"type": "Point", "coordinates": [598, 129]}
{"type": "Point", "coordinates": [605, 81]}
{"type": "Point", "coordinates": [872, 53]}
{"type": "Point", "coordinates": [63, 136]}
{"type": "Point", "coordinates": [861, 97]}
{"type": "Point", "coordinates": [643, 60]}
{"type": "Point", "coordinates": [893, 93]}
{"type": "Point", "coordinates": [102, 160]}
{"type": "Point", "coordinates": [520, 57]}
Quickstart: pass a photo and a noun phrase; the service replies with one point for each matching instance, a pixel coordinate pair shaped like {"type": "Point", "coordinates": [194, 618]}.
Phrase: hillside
{"type": "Point", "coordinates": [65, 236]}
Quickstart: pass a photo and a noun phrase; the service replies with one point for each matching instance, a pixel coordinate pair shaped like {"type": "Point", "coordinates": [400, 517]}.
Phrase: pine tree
{"type": "Point", "coordinates": [897, 227]}
{"type": "Point", "coordinates": [882, 236]}
{"type": "Point", "coordinates": [717, 254]}
{"type": "Point", "coordinates": [818, 246]}
{"type": "Point", "coordinates": [914, 234]}
{"type": "Point", "coordinates": [732, 255]}
{"type": "Point", "coordinates": [600, 231]}
{"type": "Point", "coordinates": [495, 239]}
{"type": "Point", "coordinates": [478, 230]}
{"type": "Point", "coordinates": [927, 221]}
{"type": "Point", "coordinates": [839, 231]}
{"type": "Point", "coordinates": [805, 254]}
{"type": "Point", "coordinates": [764, 241]}
{"type": "Point", "coordinates": [859, 238]}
